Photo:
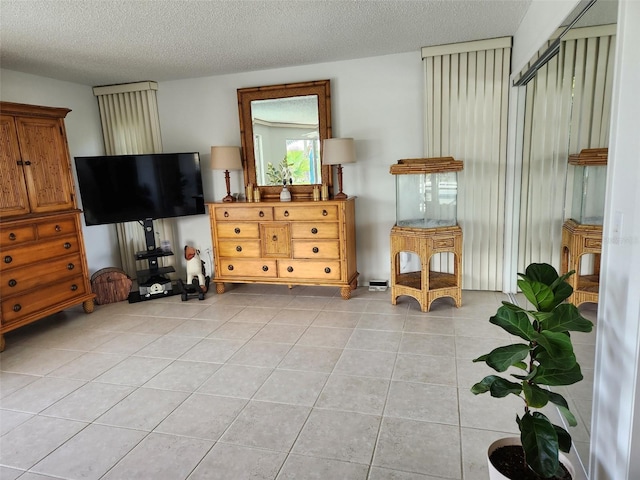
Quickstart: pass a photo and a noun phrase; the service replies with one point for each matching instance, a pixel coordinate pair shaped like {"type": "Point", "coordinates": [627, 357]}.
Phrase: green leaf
{"type": "Point", "coordinates": [539, 294]}
{"type": "Point", "coordinates": [535, 396]}
{"type": "Point", "coordinates": [516, 323]}
{"type": "Point", "coordinates": [481, 358]}
{"type": "Point", "coordinates": [563, 406]}
{"type": "Point", "coordinates": [565, 318]}
{"type": "Point", "coordinates": [502, 358]}
{"type": "Point", "coordinates": [564, 439]}
{"type": "Point", "coordinates": [498, 386]}
{"type": "Point", "coordinates": [556, 376]}
{"type": "Point", "coordinates": [540, 444]}
{"type": "Point", "coordinates": [541, 272]}
{"type": "Point", "coordinates": [561, 279]}
{"type": "Point", "coordinates": [558, 346]}
{"type": "Point", "coordinates": [561, 293]}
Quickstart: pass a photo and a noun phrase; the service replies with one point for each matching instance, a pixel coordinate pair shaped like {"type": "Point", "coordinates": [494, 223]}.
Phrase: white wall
{"type": "Point", "coordinates": [84, 136]}
{"type": "Point", "coordinates": [616, 415]}
{"type": "Point", "coordinates": [378, 101]}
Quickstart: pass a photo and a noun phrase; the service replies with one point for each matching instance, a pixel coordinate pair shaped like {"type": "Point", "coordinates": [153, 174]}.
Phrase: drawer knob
{"type": "Point", "coordinates": [314, 230]}
{"type": "Point", "coordinates": [327, 270]}
{"type": "Point", "coordinates": [230, 267]}
{"type": "Point", "coordinates": [265, 268]}
{"type": "Point", "coordinates": [27, 162]}
{"type": "Point", "coordinates": [274, 238]}
{"type": "Point", "coordinates": [58, 228]}
{"type": "Point", "coordinates": [71, 266]}
{"type": "Point", "coordinates": [286, 213]}
{"type": "Point", "coordinates": [74, 287]}
{"type": "Point", "coordinates": [67, 245]}
{"type": "Point", "coordinates": [261, 213]}
{"type": "Point", "coordinates": [315, 249]}
{"type": "Point", "coordinates": [237, 230]}
{"type": "Point", "coordinates": [13, 282]}
{"type": "Point", "coordinates": [17, 307]}
{"type": "Point", "coordinates": [8, 259]}
{"type": "Point", "coordinates": [12, 236]}
{"type": "Point", "coordinates": [324, 213]}
{"type": "Point", "coordinates": [238, 248]}
{"type": "Point", "coordinates": [226, 214]}
{"type": "Point", "coordinates": [289, 269]}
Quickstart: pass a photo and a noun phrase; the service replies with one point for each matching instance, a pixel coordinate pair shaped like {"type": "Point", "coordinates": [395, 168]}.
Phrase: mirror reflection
{"type": "Point", "coordinates": [286, 140]}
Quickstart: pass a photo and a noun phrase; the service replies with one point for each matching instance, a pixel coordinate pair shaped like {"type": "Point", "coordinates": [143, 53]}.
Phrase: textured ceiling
{"type": "Point", "coordinates": [101, 42]}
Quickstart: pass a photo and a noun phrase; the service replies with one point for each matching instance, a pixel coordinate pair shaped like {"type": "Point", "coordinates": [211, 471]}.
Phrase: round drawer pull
{"type": "Point", "coordinates": [327, 270]}
{"type": "Point", "coordinates": [289, 269]}
{"type": "Point", "coordinates": [286, 213]}
{"type": "Point", "coordinates": [274, 238]}
{"type": "Point", "coordinates": [70, 266]}
{"type": "Point", "coordinates": [314, 230]}
{"type": "Point", "coordinates": [8, 259]}
{"type": "Point", "coordinates": [324, 213]}
{"type": "Point", "coordinates": [74, 287]}
{"type": "Point", "coordinates": [238, 248]}
{"type": "Point", "coordinates": [13, 282]}
{"type": "Point", "coordinates": [265, 268]}
{"type": "Point", "coordinates": [27, 162]}
{"type": "Point", "coordinates": [17, 307]}
{"type": "Point", "coordinates": [58, 228]}
{"type": "Point", "coordinates": [315, 249]}
{"type": "Point", "coordinates": [261, 214]}
{"type": "Point", "coordinates": [67, 245]}
{"type": "Point", "coordinates": [12, 236]}
{"type": "Point", "coordinates": [237, 230]}
{"type": "Point", "coordinates": [226, 214]}
{"type": "Point", "coordinates": [230, 267]}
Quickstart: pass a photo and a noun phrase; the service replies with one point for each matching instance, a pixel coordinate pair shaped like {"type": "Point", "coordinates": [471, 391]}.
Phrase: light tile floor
{"type": "Point", "coordinates": [261, 382]}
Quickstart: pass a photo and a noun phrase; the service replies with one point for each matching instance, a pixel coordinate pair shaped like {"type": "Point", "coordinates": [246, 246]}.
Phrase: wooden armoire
{"type": "Point", "coordinates": [44, 266]}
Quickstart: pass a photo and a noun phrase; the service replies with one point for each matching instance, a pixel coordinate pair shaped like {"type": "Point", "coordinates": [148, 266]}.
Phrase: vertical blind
{"type": "Point", "coordinates": [466, 101]}
{"type": "Point", "coordinates": [567, 109]}
{"type": "Point", "coordinates": [131, 125]}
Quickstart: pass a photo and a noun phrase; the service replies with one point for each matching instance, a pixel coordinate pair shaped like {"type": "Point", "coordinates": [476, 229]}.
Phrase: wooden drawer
{"type": "Point", "coordinates": [238, 267]}
{"type": "Point", "coordinates": [440, 243]}
{"type": "Point", "coordinates": [309, 269]}
{"type": "Point", "coordinates": [314, 230]}
{"type": "Point", "coordinates": [593, 243]}
{"type": "Point", "coordinates": [57, 228]}
{"type": "Point", "coordinates": [240, 248]}
{"type": "Point", "coordinates": [316, 249]}
{"type": "Point", "coordinates": [276, 239]}
{"type": "Point", "coordinates": [320, 212]}
{"type": "Point", "coordinates": [20, 255]}
{"type": "Point", "coordinates": [237, 230]}
{"type": "Point", "coordinates": [16, 307]}
{"type": "Point", "coordinates": [21, 279]}
{"type": "Point", "coordinates": [13, 235]}
{"type": "Point", "coordinates": [244, 213]}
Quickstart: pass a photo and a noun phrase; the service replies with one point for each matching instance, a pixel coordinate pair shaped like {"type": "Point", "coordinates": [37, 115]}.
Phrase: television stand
{"type": "Point", "coordinates": [152, 282]}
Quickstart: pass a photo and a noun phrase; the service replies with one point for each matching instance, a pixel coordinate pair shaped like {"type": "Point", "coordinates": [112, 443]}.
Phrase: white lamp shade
{"type": "Point", "coordinates": [338, 151]}
{"type": "Point", "coordinates": [226, 158]}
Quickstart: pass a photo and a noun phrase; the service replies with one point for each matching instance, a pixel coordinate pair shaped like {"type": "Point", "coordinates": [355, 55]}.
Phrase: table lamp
{"type": "Point", "coordinates": [336, 151]}
{"type": "Point", "coordinates": [226, 158]}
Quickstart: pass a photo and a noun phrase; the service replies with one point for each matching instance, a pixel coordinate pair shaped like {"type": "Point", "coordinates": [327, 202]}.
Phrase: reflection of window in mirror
{"type": "Point", "coordinates": [286, 140]}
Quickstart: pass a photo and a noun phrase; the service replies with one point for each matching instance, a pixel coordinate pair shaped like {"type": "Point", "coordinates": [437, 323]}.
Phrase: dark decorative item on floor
{"type": "Point", "coordinates": [197, 279]}
{"type": "Point", "coordinates": [546, 358]}
{"type": "Point", "coordinates": [110, 285]}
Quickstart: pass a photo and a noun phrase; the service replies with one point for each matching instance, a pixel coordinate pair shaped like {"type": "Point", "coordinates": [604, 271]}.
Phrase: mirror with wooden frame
{"type": "Point", "coordinates": [282, 128]}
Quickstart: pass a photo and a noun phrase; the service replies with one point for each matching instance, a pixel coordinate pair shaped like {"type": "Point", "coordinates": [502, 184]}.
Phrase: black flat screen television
{"type": "Point", "coordinates": [123, 188]}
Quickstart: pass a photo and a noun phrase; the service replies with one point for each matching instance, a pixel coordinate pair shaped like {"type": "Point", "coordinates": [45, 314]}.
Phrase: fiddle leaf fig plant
{"type": "Point", "coordinates": [545, 358]}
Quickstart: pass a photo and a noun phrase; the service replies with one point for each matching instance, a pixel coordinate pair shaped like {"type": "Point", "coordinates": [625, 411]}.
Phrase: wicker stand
{"type": "Point", "coordinates": [426, 285]}
{"type": "Point", "coordinates": [579, 240]}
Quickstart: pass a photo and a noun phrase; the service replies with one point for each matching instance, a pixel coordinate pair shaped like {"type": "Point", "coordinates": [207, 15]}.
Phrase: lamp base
{"type": "Point", "coordinates": [229, 198]}
{"type": "Point", "coordinates": [340, 196]}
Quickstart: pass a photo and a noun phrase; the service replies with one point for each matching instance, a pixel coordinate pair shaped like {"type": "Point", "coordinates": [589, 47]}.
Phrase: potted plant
{"type": "Point", "coordinates": [544, 359]}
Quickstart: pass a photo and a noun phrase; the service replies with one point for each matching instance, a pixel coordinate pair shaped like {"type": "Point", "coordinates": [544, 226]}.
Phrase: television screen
{"type": "Point", "coordinates": [123, 188]}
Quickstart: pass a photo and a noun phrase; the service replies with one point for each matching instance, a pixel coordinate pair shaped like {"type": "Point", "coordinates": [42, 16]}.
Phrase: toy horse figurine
{"type": "Point", "coordinates": [197, 281]}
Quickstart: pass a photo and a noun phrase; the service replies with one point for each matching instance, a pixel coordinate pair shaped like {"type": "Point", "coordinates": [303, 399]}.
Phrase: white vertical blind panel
{"type": "Point", "coordinates": [131, 125]}
{"type": "Point", "coordinates": [567, 109]}
{"type": "Point", "coordinates": [466, 103]}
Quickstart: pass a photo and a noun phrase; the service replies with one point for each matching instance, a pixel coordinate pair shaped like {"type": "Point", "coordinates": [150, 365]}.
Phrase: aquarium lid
{"type": "Point", "coordinates": [590, 156]}
{"type": "Point", "coordinates": [412, 166]}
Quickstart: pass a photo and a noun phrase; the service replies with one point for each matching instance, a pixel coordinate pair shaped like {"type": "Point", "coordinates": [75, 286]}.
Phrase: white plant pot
{"type": "Point", "coordinates": [285, 195]}
{"type": "Point", "coordinates": [503, 442]}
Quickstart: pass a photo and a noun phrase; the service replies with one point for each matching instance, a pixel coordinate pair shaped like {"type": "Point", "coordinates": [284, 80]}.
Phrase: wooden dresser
{"type": "Point", "coordinates": [291, 243]}
{"type": "Point", "coordinates": [44, 267]}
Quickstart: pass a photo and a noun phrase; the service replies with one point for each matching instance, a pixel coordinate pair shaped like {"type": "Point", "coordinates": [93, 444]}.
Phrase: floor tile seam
{"type": "Point", "coordinates": [50, 405]}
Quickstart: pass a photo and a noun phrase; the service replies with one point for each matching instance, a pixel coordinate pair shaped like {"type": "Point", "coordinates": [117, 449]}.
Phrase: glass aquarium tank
{"type": "Point", "coordinates": [589, 185]}
{"type": "Point", "coordinates": [426, 192]}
